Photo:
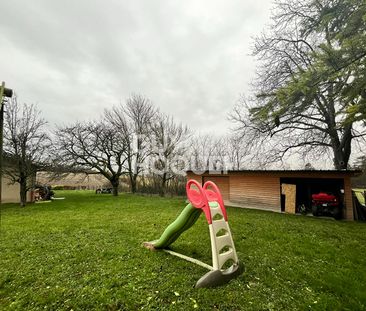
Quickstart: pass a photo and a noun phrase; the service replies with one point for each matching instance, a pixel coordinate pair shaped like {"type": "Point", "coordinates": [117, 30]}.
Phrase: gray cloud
{"type": "Point", "coordinates": [74, 58]}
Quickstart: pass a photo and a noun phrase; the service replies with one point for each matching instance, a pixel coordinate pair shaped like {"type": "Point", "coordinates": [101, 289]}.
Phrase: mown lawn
{"type": "Point", "coordinates": [85, 253]}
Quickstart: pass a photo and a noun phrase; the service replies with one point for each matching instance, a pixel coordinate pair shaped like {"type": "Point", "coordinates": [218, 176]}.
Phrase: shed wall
{"type": "Point", "coordinates": [348, 212]}
{"type": "Point", "coordinates": [191, 175]}
{"type": "Point", "coordinates": [223, 182]}
{"type": "Point", "coordinates": [252, 190]}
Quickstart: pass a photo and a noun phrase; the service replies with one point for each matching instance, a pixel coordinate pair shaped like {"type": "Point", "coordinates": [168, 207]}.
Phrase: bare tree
{"type": "Point", "coordinates": [134, 121]}
{"type": "Point", "coordinates": [25, 145]}
{"type": "Point", "coordinates": [208, 152]}
{"type": "Point", "coordinates": [96, 146]}
{"type": "Point", "coordinates": [169, 144]}
{"type": "Point", "coordinates": [219, 158]}
{"type": "Point", "coordinates": [201, 151]}
{"type": "Point", "coordinates": [237, 149]}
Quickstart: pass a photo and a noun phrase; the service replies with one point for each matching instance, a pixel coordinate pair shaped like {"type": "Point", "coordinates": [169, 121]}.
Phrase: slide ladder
{"type": "Point", "coordinates": [222, 243]}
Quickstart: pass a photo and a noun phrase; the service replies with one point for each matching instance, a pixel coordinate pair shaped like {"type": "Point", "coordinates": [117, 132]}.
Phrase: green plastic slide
{"type": "Point", "coordinates": [184, 221]}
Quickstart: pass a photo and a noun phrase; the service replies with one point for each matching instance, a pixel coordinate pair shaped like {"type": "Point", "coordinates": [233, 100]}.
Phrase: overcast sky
{"type": "Point", "coordinates": [74, 58]}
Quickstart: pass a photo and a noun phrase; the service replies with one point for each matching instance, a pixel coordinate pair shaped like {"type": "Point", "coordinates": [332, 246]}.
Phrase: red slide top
{"type": "Point", "coordinates": [200, 196]}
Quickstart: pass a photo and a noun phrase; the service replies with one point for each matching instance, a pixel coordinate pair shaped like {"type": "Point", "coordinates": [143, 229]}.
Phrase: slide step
{"type": "Point", "coordinates": [223, 241]}
{"type": "Point", "coordinates": [224, 257]}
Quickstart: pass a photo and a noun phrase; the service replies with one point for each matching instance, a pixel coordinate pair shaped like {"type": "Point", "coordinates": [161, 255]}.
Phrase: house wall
{"type": "Point", "coordinates": [10, 192]}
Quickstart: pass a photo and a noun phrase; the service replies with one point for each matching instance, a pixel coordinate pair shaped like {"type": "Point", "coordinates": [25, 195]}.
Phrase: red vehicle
{"type": "Point", "coordinates": [326, 203]}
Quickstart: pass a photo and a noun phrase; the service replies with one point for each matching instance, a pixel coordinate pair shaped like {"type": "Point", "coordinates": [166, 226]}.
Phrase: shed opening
{"type": "Point", "coordinates": [307, 187]}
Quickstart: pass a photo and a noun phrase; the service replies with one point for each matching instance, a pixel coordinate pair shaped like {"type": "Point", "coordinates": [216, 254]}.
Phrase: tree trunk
{"type": "Point", "coordinates": [23, 193]}
{"type": "Point", "coordinates": [133, 176]}
{"type": "Point", "coordinates": [340, 160]}
{"type": "Point", "coordinates": [115, 184]}
{"type": "Point", "coordinates": [163, 185]}
{"type": "Point", "coordinates": [133, 181]}
{"type": "Point", "coordinates": [342, 150]}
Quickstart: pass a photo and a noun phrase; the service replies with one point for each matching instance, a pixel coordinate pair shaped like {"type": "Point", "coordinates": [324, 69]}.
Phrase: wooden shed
{"type": "Point", "coordinates": [280, 190]}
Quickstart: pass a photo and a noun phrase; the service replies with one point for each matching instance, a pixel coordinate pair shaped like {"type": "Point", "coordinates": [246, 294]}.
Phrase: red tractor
{"type": "Point", "coordinates": [326, 203]}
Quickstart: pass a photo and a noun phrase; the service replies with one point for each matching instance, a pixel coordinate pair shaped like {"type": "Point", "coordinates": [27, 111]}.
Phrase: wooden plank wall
{"type": "Point", "coordinates": [255, 190]}
{"type": "Point", "coordinates": [223, 182]}
{"type": "Point", "coordinates": [191, 175]}
{"type": "Point", "coordinates": [348, 212]}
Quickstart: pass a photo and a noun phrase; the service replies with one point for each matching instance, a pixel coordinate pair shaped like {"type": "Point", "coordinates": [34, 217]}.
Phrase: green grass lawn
{"type": "Point", "coordinates": [85, 253]}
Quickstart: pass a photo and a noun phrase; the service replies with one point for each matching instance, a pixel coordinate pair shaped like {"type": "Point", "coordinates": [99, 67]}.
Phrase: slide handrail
{"type": "Point", "coordinates": [214, 195]}
{"type": "Point", "coordinates": [198, 198]}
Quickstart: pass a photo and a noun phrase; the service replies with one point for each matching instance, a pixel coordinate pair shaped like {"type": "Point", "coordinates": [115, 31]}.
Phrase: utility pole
{"type": "Point", "coordinates": [4, 92]}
